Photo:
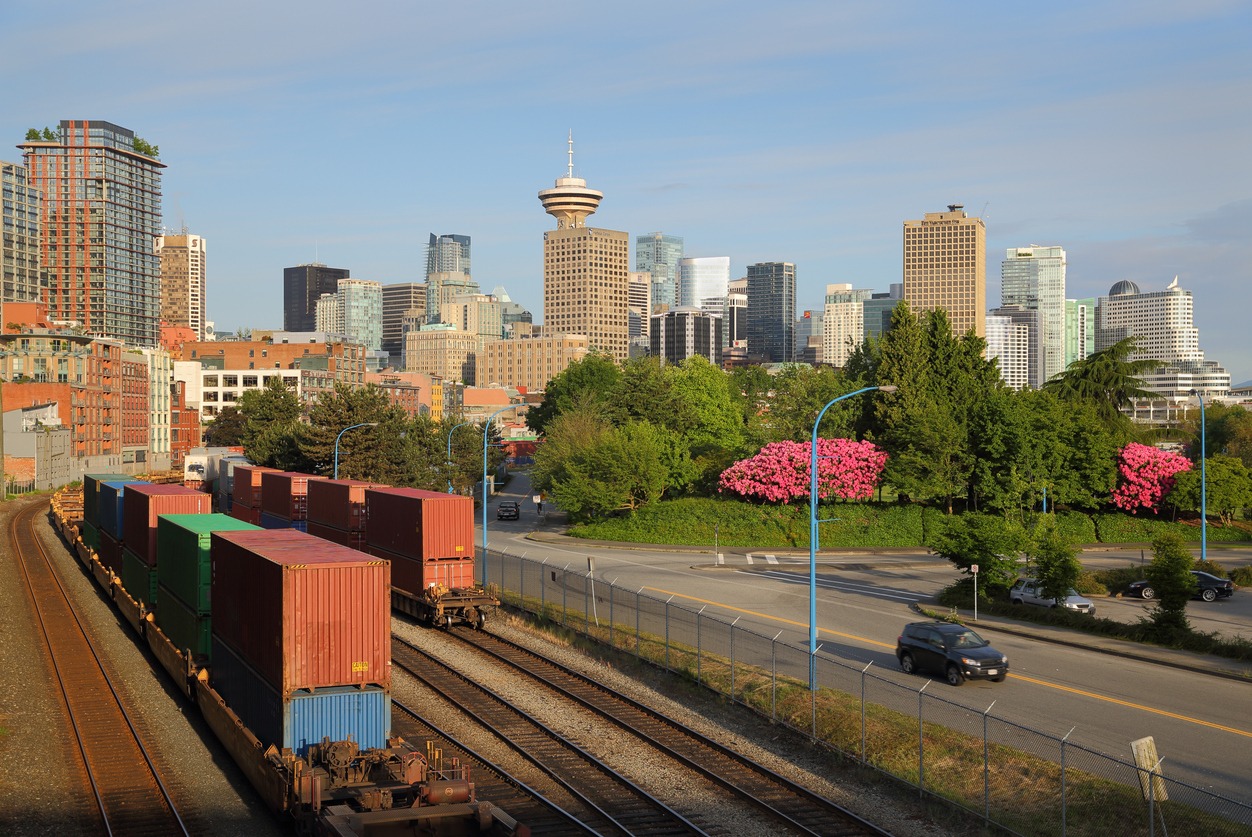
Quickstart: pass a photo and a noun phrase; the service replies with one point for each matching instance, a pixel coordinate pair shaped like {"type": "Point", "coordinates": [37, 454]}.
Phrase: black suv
{"type": "Point", "coordinates": [1207, 587]}
{"type": "Point", "coordinates": [949, 649]}
{"type": "Point", "coordinates": [508, 510]}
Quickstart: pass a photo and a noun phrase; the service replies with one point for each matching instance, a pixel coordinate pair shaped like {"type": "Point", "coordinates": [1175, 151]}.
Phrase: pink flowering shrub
{"type": "Point", "coordinates": [1145, 476]}
{"type": "Point", "coordinates": [779, 473]}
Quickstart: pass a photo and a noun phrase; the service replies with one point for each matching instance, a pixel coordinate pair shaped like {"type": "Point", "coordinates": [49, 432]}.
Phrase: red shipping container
{"type": "Point", "coordinates": [303, 612]}
{"type": "Point", "coordinates": [339, 504]}
{"type": "Point", "coordinates": [145, 502]}
{"type": "Point", "coordinates": [247, 514]}
{"type": "Point", "coordinates": [247, 489]}
{"type": "Point", "coordinates": [110, 552]}
{"type": "Point", "coordinates": [413, 576]}
{"type": "Point", "coordinates": [352, 540]}
{"type": "Point", "coordinates": [285, 494]}
{"type": "Point", "coordinates": [419, 524]}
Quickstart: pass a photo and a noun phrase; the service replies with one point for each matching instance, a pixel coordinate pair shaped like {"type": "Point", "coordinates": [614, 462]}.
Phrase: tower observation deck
{"type": "Point", "coordinates": [570, 201]}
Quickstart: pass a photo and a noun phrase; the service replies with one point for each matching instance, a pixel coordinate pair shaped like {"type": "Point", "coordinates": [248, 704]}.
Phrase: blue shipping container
{"type": "Point", "coordinates": [338, 713]}
{"type": "Point", "coordinates": [109, 504]}
{"type": "Point", "coordinates": [273, 521]}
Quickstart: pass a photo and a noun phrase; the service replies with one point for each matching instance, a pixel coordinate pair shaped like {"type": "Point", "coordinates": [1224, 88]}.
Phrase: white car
{"type": "Point", "coordinates": [1030, 591]}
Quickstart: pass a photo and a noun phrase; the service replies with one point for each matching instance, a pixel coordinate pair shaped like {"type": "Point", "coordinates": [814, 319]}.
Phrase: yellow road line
{"type": "Point", "coordinates": [1057, 686]}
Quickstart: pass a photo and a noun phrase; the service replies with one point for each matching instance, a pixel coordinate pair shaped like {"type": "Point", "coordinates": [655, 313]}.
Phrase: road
{"type": "Point", "coordinates": [1200, 722]}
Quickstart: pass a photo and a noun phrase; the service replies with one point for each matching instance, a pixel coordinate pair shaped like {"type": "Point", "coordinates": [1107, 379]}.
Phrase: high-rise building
{"type": "Point", "coordinates": [1008, 342]}
{"type": "Point", "coordinates": [1162, 323]}
{"type": "Point", "coordinates": [184, 262]}
{"type": "Point", "coordinates": [529, 362]}
{"type": "Point", "coordinates": [878, 309]}
{"type": "Point", "coordinates": [474, 313]}
{"type": "Point", "coordinates": [303, 285]}
{"type": "Point", "coordinates": [100, 213]}
{"type": "Point", "coordinates": [808, 336]}
{"type": "Point", "coordinates": [448, 254]}
{"type": "Point", "coordinates": [401, 299]}
{"type": "Point", "coordinates": [19, 242]}
{"type": "Point", "coordinates": [585, 289]}
{"type": "Point", "coordinates": [1034, 278]}
{"type": "Point", "coordinates": [1079, 329]}
{"type": "Point", "coordinates": [658, 254]}
{"type": "Point", "coordinates": [701, 278]}
{"type": "Point", "coordinates": [735, 321]}
{"type": "Point", "coordinates": [443, 287]}
{"type": "Point", "coordinates": [685, 332]}
{"type": "Point", "coordinates": [843, 323]}
{"type": "Point", "coordinates": [354, 311]}
{"type": "Point", "coordinates": [772, 311]}
{"type": "Point", "coordinates": [511, 313]}
{"type": "Point", "coordinates": [639, 296]}
{"type": "Point", "coordinates": [945, 266]}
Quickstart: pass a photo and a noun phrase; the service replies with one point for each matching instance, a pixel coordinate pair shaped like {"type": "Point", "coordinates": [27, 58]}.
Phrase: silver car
{"type": "Point", "coordinates": [1030, 591]}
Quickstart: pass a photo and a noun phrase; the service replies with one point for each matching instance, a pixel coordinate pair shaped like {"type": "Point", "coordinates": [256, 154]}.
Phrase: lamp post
{"type": "Point", "coordinates": [813, 521]}
{"type": "Point", "coordinates": [1204, 518]}
{"type": "Point", "coordinates": [340, 436]}
{"type": "Point", "coordinates": [448, 461]}
{"type": "Point", "coordinates": [486, 438]}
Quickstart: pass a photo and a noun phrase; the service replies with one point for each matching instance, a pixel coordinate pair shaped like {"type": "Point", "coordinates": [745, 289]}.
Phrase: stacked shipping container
{"type": "Point", "coordinates": [144, 503]}
{"type": "Point", "coordinates": [246, 503]}
{"type": "Point", "coordinates": [110, 509]}
{"type": "Point", "coordinates": [428, 537]}
{"type": "Point", "coordinates": [337, 511]}
{"type": "Point", "coordinates": [285, 499]}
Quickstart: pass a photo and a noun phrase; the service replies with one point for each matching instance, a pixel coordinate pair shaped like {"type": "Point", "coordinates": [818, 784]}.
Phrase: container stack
{"type": "Point", "coordinates": [285, 499]}
{"type": "Point", "coordinates": [226, 480]}
{"type": "Point", "coordinates": [185, 577]}
{"type": "Point", "coordinates": [91, 506]}
{"type": "Point", "coordinates": [337, 511]}
{"type": "Point", "coordinates": [428, 537]}
{"type": "Point", "coordinates": [301, 638]}
{"type": "Point", "coordinates": [144, 504]}
{"type": "Point", "coordinates": [246, 504]}
{"type": "Point", "coordinates": [110, 507]}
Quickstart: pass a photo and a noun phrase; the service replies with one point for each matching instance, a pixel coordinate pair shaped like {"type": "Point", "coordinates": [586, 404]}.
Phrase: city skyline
{"type": "Point", "coordinates": [1116, 136]}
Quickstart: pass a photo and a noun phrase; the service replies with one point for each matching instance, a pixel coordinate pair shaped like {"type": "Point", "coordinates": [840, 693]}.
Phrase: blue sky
{"type": "Point", "coordinates": [803, 132]}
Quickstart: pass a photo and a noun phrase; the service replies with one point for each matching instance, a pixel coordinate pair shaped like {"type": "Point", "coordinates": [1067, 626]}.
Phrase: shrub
{"type": "Point", "coordinates": [1145, 476]}
{"type": "Point", "coordinates": [781, 471]}
{"type": "Point", "coordinates": [1242, 576]}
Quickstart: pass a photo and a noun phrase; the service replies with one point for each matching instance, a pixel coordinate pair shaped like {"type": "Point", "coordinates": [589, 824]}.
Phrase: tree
{"type": "Point", "coordinates": [270, 435]}
{"type": "Point", "coordinates": [370, 453]}
{"type": "Point", "coordinates": [589, 383]}
{"type": "Point", "coordinates": [49, 135]}
{"type": "Point", "coordinates": [1171, 578]}
{"type": "Point", "coordinates": [1108, 380]}
{"type": "Point", "coordinates": [33, 135]}
{"type": "Point", "coordinates": [1228, 430]}
{"type": "Point", "coordinates": [1056, 563]}
{"type": "Point", "coordinates": [226, 429]}
{"type": "Point", "coordinates": [1147, 475]}
{"type": "Point", "coordinates": [988, 541]}
{"type": "Point", "coordinates": [702, 414]}
{"type": "Point", "coordinates": [800, 392]}
{"type": "Point", "coordinates": [1227, 487]}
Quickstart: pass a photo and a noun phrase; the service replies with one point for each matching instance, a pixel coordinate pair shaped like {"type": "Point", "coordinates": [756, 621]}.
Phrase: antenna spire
{"type": "Point", "coordinates": [571, 154]}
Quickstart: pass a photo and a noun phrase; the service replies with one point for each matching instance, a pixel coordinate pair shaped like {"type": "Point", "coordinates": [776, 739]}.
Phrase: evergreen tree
{"type": "Point", "coordinates": [227, 428]}
{"type": "Point", "coordinates": [1107, 380]}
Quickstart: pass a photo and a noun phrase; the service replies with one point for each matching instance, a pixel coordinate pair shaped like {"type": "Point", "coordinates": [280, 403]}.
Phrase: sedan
{"type": "Point", "coordinates": [1208, 587]}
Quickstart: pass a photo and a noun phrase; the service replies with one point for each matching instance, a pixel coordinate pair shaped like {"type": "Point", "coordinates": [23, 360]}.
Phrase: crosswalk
{"type": "Point", "coordinates": [769, 559]}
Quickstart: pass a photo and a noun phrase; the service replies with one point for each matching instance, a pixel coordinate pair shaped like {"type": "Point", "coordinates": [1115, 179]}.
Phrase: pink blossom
{"type": "Point", "coordinates": [1146, 476]}
{"type": "Point", "coordinates": [780, 472]}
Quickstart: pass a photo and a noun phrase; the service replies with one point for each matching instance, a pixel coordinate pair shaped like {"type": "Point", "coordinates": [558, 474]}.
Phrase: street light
{"type": "Point", "coordinates": [340, 436]}
{"type": "Point", "coordinates": [813, 521]}
{"type": "Point", "coordinates": [448, 461]}
{"type": "Point", "coordinates": [486, 437]}
{"type": "Point", "coordinates": [1204, 541]}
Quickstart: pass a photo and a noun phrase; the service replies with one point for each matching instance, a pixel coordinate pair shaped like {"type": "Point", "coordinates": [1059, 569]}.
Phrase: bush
{"type": "Point", "coordinates": [1075, 527]}
{"type": "Point", "coordinates": [1242, 576]}
{"type": "Point", "coordinates": [1117, 580]}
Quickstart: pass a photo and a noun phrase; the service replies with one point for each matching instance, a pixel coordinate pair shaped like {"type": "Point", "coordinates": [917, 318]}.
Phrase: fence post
{"type": "Point", "coordinates": [667, 601]}
{"type": "Point", "coordinates": [612, 640]}
{"type": "Point", "coordinates": [1064, 801]}
{"type": "Point", "coordinates": [521, 581]}
{"type": "Point", "coordinates": [564, 594]}
{"type": "Point", "coordinates": [638, 635]}
{"type": "Point", "coordinates": [699, 647]}
{"type": "Point", "coordinates": [864, 753]}
{"type": "Point", "coordinates": [921, 746]}
{"type": "Point", "coordinates": [733, 631]}
{"type": "Point", "coordinates": [543, 589]}
{"type": "Point", "coordinates": [773, 680]}
{"type": "Point", "coordinates": [986, 776]}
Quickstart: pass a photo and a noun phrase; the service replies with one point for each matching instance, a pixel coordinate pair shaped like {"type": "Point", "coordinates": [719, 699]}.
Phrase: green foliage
{"type": "Point", "coordinates": [1242, 576]}
{"type": "Point", "coordinates": [1106, 380]}
{"type": "Point", "coordinates": [1228, 430]}
{"type": "Point", "coordinates": [1125, 528]}
{"type": "Point", "coordinates": [144, 147]}
{"type": "Point", "coordinates": [1170, 575]}
{"type": "Point", "coordinates": [377, 453]}
{"type": "Point", "coordinates": [49, 135]}
{"type": "Point", "coordinates": [1227, 488]}
{"type": "Point", "coordinates": [1055, 562]}
{"type": "Point", "coordinates": [33, 135]}
{"type": "Point", "coordinates": [1074, 527]}
{"type": "Point", "coordinates": [587, 384]}
{"type": "Point", "coordinates": [270, 433]}
{"type": "Point", "coordinates": [990, 542]}
{"type": "Point", "coordinates": [226, 429]}
{"type": "Point", "coordinates": [800, 394]}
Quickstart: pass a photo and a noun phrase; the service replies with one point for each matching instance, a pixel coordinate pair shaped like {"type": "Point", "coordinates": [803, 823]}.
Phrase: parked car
{"type": "Point", "coordinates": [1030, 591]}
{"type": "Point", "coordinates": [1208, 587]}
{"type": "Point", "coordinates": [508, 510]}
{"type": "Point", "coordinates": [949, 649]}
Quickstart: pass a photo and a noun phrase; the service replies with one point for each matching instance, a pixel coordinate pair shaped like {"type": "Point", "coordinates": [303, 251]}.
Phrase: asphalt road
{"type": "Point", "coordinates": [1201, 723]}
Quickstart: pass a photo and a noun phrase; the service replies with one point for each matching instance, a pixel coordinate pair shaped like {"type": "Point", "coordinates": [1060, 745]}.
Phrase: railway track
{"type": "Point", "coordinates": [117, 769]}
{"type": "Point", "coordinates": [796, 808]}
{"type": "Point", "coordinates": [612, 803]}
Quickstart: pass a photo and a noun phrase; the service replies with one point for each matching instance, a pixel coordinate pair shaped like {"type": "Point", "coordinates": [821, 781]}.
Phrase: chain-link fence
{"type": "Point", "coordinates": [1023, 780]}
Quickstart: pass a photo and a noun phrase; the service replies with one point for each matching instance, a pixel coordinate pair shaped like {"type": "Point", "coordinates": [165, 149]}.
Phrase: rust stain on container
{"type": "Point", "coordinates": [145, 503]}
{"type": "Point", "coordinates": [419, 524]}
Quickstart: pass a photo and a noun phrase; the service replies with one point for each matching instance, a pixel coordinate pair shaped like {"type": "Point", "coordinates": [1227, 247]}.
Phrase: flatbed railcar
{"type": "Point", "coordinates": [337, 790]}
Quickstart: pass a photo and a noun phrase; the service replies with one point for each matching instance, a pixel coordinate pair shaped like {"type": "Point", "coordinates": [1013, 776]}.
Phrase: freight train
{"type": "Point", "coordinates": [282, 638]}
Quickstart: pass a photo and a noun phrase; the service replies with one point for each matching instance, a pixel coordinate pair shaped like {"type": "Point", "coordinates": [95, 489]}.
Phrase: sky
{"type": "Point", "coordinates": [805, 132]}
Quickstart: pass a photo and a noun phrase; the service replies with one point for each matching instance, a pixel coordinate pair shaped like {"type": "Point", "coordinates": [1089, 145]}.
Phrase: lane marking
{"type": "Point", "coordinates": [1026, 678]}
{"type": "Point", "coordinates": [770, 559]}
{"type": "Point", "coordinates": [749, 559]}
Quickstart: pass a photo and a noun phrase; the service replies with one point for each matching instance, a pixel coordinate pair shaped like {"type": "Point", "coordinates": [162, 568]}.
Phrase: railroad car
{"type": "Point", "coordinates": [327, 786]}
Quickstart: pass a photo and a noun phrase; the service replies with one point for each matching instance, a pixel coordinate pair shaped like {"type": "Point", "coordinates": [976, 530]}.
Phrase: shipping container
{"type": "Point", "coordinates": [91, 489]}
{"type": "Point", "coordinates": [286, 493]}
{"type": "Point", "coordinates": [273, 521]}
{"type": "Point", "coordinates": [188, 630]}
{"type": "Point", "coordinates": [110, 506]}
{"type": "Point", "coordinates": [138, 578]}
{"type": "Point", "coordinates": [146, 503]}
{"type": "Point", "coordinates": [339, 504]}
{"type": "Point", "coordinates": [110, 552]}
{"type": "Point", "coordinates": [247, 489]}
{"type": "Point", "coordinates": [352, 540]}
{"type": "Point", "coordinates": [302, 718]}
{"type": "Point", "coordinates": [413, 576]}
{"type": "Point", "coordinates": [419, 524]}
{"type": "Point", "coordinates": [90, 535]}
{"type": "Point", "coordinates": [304, 612]}
{"type": "Point", "coordinates": [186, 567]}
{"type": "Point", "coordinates": [226, 480]}
{"type": "Point", "coordinates": [247, 514]}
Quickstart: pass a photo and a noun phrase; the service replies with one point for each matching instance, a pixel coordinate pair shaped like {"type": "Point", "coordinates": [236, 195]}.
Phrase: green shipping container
{"type": "Point", "coordinates": [138, 578]}
{"type": "Point", "coordinates": [91, 536]}
{"type": "Point", "coordinates": [91, 487]}
{"type": "Point", "coordinates": [183, 562]}
{"type": "Point", "coordinates": [187, 630]}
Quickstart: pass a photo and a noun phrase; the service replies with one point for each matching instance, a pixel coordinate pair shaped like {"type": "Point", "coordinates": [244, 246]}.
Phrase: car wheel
{"type": "Point", "coordinates": [955, 678]}
{"type": "Point", "coordinates": [907, 665]}
{"type": "Point", "coordinates": [1147, 593]}
{"type": "Point", "coordinates": [1017, 601]}
{"type": "Point", "coordinates": [1208, 594]}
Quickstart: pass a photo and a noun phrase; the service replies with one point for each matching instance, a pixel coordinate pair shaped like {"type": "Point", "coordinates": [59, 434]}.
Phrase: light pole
{"type": "Point", "coordinates": [486, 438]}
{"type": "Point", "coordinates": [813, 521]}
{"type": "Point", "coordinates": [1204, 519]}
{"type": "Point", "coordinates": [448, 461]}
{"type": "Point", "coordinates": [340, 436]}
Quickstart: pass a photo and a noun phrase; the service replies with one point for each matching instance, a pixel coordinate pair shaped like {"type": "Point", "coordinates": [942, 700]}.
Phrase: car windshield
{"type": "Point", "coordinates": [966, 639]}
